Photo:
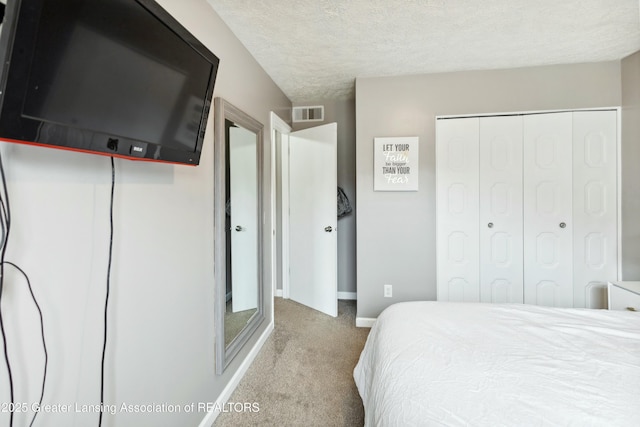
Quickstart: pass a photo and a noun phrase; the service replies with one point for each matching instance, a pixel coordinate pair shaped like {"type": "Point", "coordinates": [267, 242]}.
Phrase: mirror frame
{"type": "Point", "coordinates": [226, 111]}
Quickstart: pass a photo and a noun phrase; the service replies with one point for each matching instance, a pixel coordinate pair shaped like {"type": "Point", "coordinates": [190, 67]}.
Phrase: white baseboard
{"type": "Point", "coordinates": [365, 322]}
{"type": "Point", "coordinates": [348, 295]}
{"type": "Point", "coordinates": [211, 416]}
{"type": "Point", "coordinates": [278, 293]}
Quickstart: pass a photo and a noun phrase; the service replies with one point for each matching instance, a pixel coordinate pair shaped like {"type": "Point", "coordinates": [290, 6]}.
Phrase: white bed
{"type": "Point", "coordinates": [472, 364]}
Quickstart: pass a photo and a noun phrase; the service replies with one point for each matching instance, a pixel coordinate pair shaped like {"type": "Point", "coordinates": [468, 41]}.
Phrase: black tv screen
{"type": "Point", "coordinates": [114, 77]}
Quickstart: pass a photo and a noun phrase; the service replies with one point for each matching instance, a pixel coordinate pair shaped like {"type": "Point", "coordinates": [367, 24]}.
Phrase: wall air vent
{"type": "Point", "coordinates": [308, 114]}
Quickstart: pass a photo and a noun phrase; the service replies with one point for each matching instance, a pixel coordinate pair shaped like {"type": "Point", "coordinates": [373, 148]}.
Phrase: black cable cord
{"type": "Point", "coordinates": [6, 359]}
{"type": "Point", "coordinates": [44, 342]}
{"type": "Point", "coordinates": [5, 219]}
{"type": "Point", "coordinates": [106, 302]}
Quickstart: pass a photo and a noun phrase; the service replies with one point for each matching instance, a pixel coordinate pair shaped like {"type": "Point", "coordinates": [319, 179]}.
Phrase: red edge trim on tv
{"type": "Point", "coordinates": [100, 153]}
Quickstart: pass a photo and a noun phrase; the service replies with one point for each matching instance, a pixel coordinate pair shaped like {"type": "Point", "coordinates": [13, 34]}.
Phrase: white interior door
{"type": "Point", "coordinates": [243, 183]}
{"type": "Point", "coordinates": [457, 193]}
{"type": "Point", "coordinates": [313, 218]}
{"type": "Point", "coordinates": [548, 229]}
{"type": "Point", "coordinates": [501, 265]}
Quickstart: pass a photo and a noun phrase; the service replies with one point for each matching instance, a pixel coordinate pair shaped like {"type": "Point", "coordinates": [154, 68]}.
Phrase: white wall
{"type": "Point", "coordinates": [396, 230]}
{"type": "Point", "coordinates": [631, 167]}
{"type": "Point", "coordinates": [161, 336]}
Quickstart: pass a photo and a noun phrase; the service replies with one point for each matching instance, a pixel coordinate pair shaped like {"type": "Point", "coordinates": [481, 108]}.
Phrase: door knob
{"type": "Point", "coordinates": [563, 225]}
{"type": "Point", "coordinates": [328, 229]}
{"type": "Point", "coordinates": [490, 225]}
{"type": "Point", "coordinates": [239, 228]}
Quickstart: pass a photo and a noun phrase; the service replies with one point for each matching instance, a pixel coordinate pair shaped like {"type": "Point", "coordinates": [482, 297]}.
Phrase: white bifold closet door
{"type": "Point", "coordinates": [527, 208]}
{"type": "Point", "coordinates": [479, 193]}
{"type": "Point", "coordinates": [595, 204]}
{"type": "Point", "coordinates": [548, 238]}
{"type": "Point", "coordinates": [501, 221]}
{"type": "Point", "coordinates": [457, 193]}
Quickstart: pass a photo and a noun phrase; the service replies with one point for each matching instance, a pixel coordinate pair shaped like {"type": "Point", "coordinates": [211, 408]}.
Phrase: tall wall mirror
{"type": "Point", "coordinates": [238, 230]}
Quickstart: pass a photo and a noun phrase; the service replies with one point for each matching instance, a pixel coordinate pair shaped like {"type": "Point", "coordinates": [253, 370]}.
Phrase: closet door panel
{"type": "Point", "coordinates": [594, 206]}
{"type": "Point", "coordinates": [457, 209]}
{"type": "Point", "coordinates": [548, 228]}
{"type": "Point", "coordinates": [501, 228]}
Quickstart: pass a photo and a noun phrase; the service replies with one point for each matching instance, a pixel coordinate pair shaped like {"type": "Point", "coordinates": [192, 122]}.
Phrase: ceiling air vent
{"type": "Point", "coordinates": [308, 114]}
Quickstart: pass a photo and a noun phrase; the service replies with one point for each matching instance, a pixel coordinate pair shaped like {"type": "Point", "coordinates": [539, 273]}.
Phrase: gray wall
{"type": "Point", "coordinates": [631, 167]}
{"type": "Point", "coordinates": [161, 336]}
{"type": "Point", "coordinates": [396, 230]}
{"type": "Point", "coordinates": [342, 111]}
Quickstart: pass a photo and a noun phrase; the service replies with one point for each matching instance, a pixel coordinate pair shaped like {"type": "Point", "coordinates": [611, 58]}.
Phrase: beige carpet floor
{"type": "Point", "coordinates": [303, 376]}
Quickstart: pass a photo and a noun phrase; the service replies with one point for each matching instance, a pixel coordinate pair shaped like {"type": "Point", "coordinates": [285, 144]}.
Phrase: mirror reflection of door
{"type": "Point", "coordinates": [244, 209]}
{"type": "Point", "coordinates": [242, 227]}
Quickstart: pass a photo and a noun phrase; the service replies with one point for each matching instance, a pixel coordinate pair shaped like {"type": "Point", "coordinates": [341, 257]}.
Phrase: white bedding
{"type": "Point", "coordinates": [472, 364]}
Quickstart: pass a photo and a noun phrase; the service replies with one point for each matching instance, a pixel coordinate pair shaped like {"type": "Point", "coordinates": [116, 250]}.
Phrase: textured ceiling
{"type": "Point", "coordinates": [314, 50]}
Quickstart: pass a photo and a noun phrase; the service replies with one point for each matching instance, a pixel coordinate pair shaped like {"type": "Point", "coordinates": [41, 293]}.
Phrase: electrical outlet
{"type": "Point", "coordinates": [388, 291]}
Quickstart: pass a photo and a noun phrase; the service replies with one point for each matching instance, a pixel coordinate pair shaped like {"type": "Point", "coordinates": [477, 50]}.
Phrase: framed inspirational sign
{"type": "Point", "coordinates": [395, 165]}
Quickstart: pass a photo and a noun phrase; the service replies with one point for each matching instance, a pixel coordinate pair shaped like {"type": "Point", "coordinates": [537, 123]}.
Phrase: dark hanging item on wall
{"type": "Point", "coordinates": [344, 207]}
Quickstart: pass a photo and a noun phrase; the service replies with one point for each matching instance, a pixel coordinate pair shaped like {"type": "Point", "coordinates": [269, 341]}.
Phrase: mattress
{"type": "Point", "coordinates": [473, 364]}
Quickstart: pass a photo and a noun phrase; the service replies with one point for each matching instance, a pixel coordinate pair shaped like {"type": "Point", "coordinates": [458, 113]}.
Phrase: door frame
{"type": "Point", "coordinates": [282, 236]}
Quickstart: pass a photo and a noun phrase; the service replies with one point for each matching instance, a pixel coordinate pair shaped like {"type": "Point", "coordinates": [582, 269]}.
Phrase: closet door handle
{"type": "Point", "coordinates": [563, 225]}
{"type": "Point", "coordinates": [490, 225]}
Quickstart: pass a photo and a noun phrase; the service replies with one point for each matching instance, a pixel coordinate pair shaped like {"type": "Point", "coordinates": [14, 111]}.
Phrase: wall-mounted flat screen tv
{"type": "Point", "coordinates": [114, 77]}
